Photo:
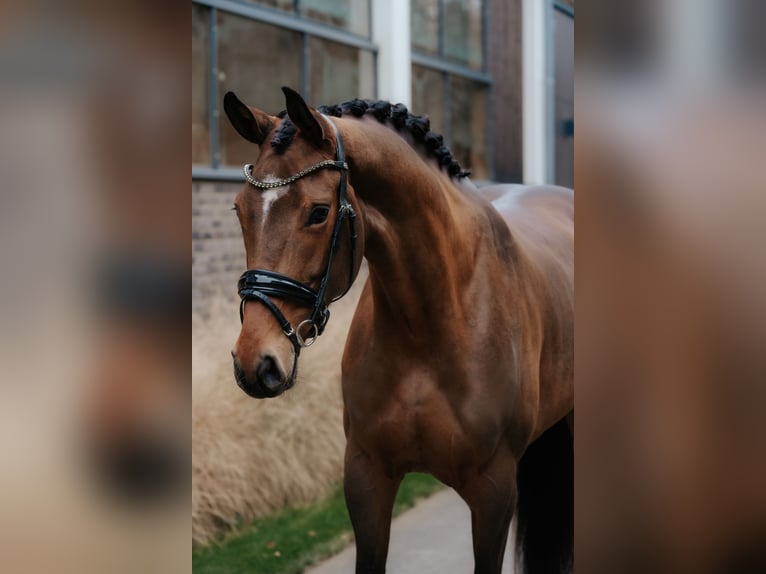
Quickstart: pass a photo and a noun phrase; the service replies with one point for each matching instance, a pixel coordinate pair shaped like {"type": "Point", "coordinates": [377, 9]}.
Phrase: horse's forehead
{"type": "Point", "coordinates": [271, 196]}
{"type": "Point", "coordinates": [257, 204]}
{"type": "Point", "coordinates": [272, 167]}
{"type": "Point", "coordinates": [289, 160]}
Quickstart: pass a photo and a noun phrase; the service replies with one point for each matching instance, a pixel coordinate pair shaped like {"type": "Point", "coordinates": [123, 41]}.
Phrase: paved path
{"type": "Point", "coordinates": [432, 538]}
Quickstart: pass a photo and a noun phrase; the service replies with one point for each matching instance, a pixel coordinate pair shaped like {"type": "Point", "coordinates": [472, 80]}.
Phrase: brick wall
{"type": "Point", "coordinates": [218, 254]}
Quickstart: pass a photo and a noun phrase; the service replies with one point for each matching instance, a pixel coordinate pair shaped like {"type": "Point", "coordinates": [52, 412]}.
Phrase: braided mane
{"type": "Point", "coordinates": [383, 111]}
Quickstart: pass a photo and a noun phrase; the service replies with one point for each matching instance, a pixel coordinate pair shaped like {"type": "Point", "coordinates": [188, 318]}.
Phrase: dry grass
{"type": "Point", "coordinates": [251, 457]}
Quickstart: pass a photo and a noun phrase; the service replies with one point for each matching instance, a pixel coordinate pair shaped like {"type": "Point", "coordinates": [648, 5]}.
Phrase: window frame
{"type": "Point", "coordinates": [447, 67]}
{"type": "Point", "coordinates": [564, 8]}
{"type": "Point", "coordinates": [275, 17]}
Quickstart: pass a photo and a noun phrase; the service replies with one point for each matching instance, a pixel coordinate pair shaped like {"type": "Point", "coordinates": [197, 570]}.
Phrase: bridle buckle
{"type": "Point", "coordinates": [313, 333]}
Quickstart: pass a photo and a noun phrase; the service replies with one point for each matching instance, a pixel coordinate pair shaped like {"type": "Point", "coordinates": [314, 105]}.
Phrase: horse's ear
{"type": "Point", "coordinates": [251, 123]}
{"type": "Point", "coordinates": [302, 116]}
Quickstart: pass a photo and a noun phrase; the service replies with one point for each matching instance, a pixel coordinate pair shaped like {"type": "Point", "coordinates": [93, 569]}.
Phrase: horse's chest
{"type": "Point", "coordinates": [411, 437]}
{"type": "Point", "coordinates": [413, 427]}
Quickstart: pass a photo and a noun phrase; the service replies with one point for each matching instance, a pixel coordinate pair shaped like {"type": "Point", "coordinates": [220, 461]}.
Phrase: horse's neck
{"type": "Point", "coordinates": [422, 233]}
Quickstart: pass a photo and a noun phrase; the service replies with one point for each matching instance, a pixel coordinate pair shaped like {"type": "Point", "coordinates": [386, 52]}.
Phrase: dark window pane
{"type": "Point", "coordinates": [254, 60]}
{"type": "Point", "coordinates": [424, 16]}
{"type": "Point", "coordinates": [200, 129]}
{"type": "Point", "coordinates": [353, 15]}
{"type": "Point", "coordinates": [468, 102]}
{"type": "Point", "coordinates": [428, 96]}
{"type": "Point", "coordinates": [339, 73]}
{"type": "Point", "coordinates": [463, 31]}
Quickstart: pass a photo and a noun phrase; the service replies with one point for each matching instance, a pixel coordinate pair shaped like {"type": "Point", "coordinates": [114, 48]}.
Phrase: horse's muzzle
{"type": "Point", "coordinates": [265, 381]}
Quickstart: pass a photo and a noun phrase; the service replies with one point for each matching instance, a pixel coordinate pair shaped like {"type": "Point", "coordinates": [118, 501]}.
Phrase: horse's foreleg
{"type": "Point", "coordinates": [491, 496]}
{"type": "Point", "coordinates": [370, 498]}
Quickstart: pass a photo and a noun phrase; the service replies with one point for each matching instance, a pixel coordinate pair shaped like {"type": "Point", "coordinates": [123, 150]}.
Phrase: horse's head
{"type": "Point", "coordinates": [303, 241]}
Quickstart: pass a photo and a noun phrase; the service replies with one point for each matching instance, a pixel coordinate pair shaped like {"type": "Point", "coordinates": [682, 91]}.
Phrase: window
{"type": "Point", "coordinates": [452, 29]}
{"type": "Point", "coordinates": [463, 32]}
{"type": "Point", "coordinates": [449, 83]}
{"type": "Point", "coordinates": [247, 65]}
{"type": "Point", "coordinates": [428, 96]}
{"type": "Point", "coordinates": [320, 48]}
{"type": "Point", "coordinates": [351, 15]}
{"type": "Point", "coordinates": [200, 125]}
{"type": "Point", "coordinates": [339, 73]}
{"type": "Point", "coordinates": [467, 112]}
{"type": "Point", "coordinates": [424, 20]}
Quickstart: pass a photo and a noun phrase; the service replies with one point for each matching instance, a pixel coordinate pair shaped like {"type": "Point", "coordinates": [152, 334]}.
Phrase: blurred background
{"type": "Point", "coordinates": [94, 288]}
{"type": "Point", "coordinates": [670, 186]}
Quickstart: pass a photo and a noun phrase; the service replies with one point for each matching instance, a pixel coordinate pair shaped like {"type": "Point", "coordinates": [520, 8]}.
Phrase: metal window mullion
{"type": "Point", "coordinates": [369, 30]}
{"type": "Point", "coordinates": [306, 69]}
{"type": "Point", "coordinates": [450, 68]}
{"type": "Point", "coordinates": [564, 8]}
{"type": "Point", "coordinates": [484, 35]}
{"type": "Point", "coordinates": [447, 109]}
{"type": "Point", "coordinates": [212, 88]}
{"type": "Point", "coordinates": [442, 32]}
{"type": "Point", "coordinates": [217, 174]}
{"type": "Point", "coordinates": [490, 131]}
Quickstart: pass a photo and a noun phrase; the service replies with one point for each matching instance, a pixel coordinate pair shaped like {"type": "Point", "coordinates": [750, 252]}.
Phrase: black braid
{"type": "Point", "coordinates": [444, 155]}
{"type": "Point", "coordinates": [355, 107]}
{"type": "Point", "coordinates": [454, 168]}
{"type": "Point", "coordinates": [335, 110]}
{"type": "Point", "coordinates": [399, 115]}
{"type": "Point", "coordinates": [284, 135]}
{"type": "Point", "coordinates": [381, 110]}
{"type": "Point", "coordinates": [433, 141]}
{"type": "Point", "coordinates": [418, 126]}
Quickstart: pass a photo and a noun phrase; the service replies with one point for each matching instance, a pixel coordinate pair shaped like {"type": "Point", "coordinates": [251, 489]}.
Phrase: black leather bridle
{"type": "Point", "coordinates": [261, 285]}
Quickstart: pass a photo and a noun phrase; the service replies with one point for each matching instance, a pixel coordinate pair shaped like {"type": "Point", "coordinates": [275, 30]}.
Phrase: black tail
{"type": "Point", "coordinates": [545, 515]}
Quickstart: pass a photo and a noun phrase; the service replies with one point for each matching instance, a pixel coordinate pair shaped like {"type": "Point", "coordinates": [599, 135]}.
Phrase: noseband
{"type": "Point", "coordinates": [261, 285]}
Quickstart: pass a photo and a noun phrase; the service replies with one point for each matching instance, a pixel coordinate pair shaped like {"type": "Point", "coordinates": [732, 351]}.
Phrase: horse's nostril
{"type": "Point", "coordinates": [238, 372]}
{"type": "Point", "coordinates": [264, 381]}
{"type": "Point", "coordinates": [269, 374]}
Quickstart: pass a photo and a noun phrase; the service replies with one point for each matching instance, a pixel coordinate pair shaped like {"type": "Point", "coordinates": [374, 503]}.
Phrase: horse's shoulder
{"type": "Point", "coordinates": [535, 210]}
{"type": "Point", "coordinates": [541, 221]}
{"type": "Point", "coordinates": [511, 198]}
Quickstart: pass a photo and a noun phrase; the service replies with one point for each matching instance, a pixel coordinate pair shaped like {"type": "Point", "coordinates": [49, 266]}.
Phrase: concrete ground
{"type": "Point", "coordinates": [432, 538]}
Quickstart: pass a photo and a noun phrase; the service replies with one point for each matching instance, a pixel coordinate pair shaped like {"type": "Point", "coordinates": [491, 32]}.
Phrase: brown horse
{"type": "Point", "coordinates": [459, 360]}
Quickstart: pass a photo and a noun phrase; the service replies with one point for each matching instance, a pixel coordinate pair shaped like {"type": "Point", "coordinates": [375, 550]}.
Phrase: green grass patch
{"type": "Point", "coordinates": [290, 540]}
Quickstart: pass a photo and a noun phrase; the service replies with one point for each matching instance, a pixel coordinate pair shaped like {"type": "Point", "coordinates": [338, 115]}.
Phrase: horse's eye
{"type": "Point", "coordinates": [318, 214]}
